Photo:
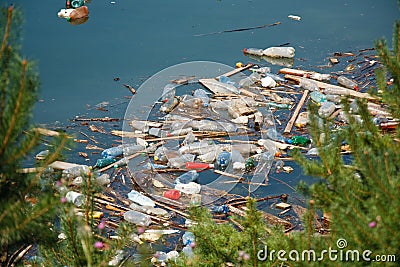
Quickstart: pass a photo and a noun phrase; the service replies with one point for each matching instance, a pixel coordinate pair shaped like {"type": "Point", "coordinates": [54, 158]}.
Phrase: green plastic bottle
{"type": "Point", "coordinates": [104, 162]}
{"type": "Point", "coordinates": [299, 140]}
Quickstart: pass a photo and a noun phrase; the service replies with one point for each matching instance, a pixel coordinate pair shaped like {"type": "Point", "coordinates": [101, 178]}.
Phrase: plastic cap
{"type": "Point", "coordinates": [244, 50]}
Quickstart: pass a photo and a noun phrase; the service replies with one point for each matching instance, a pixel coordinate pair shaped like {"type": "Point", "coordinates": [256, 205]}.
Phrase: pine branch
{"type": "Point", "coordinates": [15, 113]}
{"type": "Point", "coordinates": [7, 32]}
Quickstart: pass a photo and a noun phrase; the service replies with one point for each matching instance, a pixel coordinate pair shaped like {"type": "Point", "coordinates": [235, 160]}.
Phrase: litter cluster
{"type": "Point", "coordinates": [232, 129]}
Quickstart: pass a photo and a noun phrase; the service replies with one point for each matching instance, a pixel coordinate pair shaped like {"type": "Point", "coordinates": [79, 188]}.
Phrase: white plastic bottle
{"type": "Point", "coordinates": [253, 51]}
{"type": "Point", "coordinates": [137, 218]}
{"type": "Point", "coordinates": [287, 52]}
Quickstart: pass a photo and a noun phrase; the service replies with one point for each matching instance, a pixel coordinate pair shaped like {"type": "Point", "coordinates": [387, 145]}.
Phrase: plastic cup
{"type": "Point", "coordinates": [172, 194]}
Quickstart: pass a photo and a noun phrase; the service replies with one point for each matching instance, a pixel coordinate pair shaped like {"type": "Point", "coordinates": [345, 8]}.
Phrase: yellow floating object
{"type": "Point", "coordinates": [239, 65]}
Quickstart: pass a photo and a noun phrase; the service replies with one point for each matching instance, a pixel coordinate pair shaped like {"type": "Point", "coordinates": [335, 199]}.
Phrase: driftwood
{"type": "Point", "coordinates": [322, 85]}
{"type": "Point", "coordinates": [269, 218]}
{"type": "Point", "coordinates": [289, 126]}
{"type": "Point", "coordinates": [235, 71]}
{"type": "Point", "coordinates": [106, 119]}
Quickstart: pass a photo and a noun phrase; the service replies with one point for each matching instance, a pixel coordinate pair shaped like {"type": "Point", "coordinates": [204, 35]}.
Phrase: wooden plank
{"type": "Point", "coordinates": [235, 71]}
{"type": "Point", "coordinates": [46, 132]}
{"type": "Point", "coordinates": [296, 72]}
{"type": "Point", "coordinates": [323, 85]}
{"type": "Point", "coordinates": [292, 120]}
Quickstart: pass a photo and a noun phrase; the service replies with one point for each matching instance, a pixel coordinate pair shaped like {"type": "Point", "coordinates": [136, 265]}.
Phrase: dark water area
{"type": "Point", "coordinates": [133, 40]}
{"type": "Point", "coordinates": [128, 41]}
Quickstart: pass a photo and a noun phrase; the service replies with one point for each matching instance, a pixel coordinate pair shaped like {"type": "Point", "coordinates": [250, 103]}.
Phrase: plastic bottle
{"type": "Point", "coordinates": [140, 199]}
{"type": "Point", "coordinates": [180, 162]}
{"type": "Point", "coordinates": [168, 98]}
{"type": "Point", "coordinates": [76, 198]}
{"type": "Point", "coordinates": [299, 140]}
{"type": "Point", "coordinates": [189, 138]}
{"type": "Point", "coordinates": [188, 238]}
{"type": "Point", "coordinates": [195, 200]}
{"type": "Point", "coordinates": [187, 177]}
{"type": "Point", "coordinates": [320, 76]}
{"type": "Point", "coordinates": [275, 77]}
{"type": "Point", "coordinates": [75, 171]}
{"type": "Point", "coordinates": [317, 97]}
{"type": "Point", "coordinates": [287, 52]}
{"type": "Point", "coordinates": [172, 194]}
{"type": "Point", "coordinates": [302, 120]}
{"type": "Point", "coordinates": [223, 160]}
{"type": "Point", "coordinates": [112, 152]}
{"type": "Point", "coordinates": [121, 162]}
{"type": "Point", "coordinates": [248, 81]}
{"type": "Point", "coordinates": [225, 79]}
{"type": "Point", "coordinates": [348, 83]}
{"type": "Point", "coordinates": [198, 166]}
{"type": "Point", "coordinates": [130, 150]}
{"type": "Point", "coordinates": [336, 91]}
{"type": "Point", "coordinates": [279, 165]}
{"type": "Point", "coordinates": [333, 98]}
{"type": "Point", "coordinates": [42, 154]}
{"type": "Point", "coordinates": [188, 251]}
{"type": "Point", "coordinates": [308, 84]}
{"type": "Point", "coordinates": [264, 165]}
{"type": "Point", "coordinates": [253, 51]}
{"type": "Point", "coordinates": [142, 126]}
{"type": "Point", "coordinates": [219, 209]}
{"type": "Point", "coordinates": [100, 163]}
{"type": "Point", "coordinates": [103, 179]}
{"type": "Point", "coordinates": [137, 218]}
{"type": "Point", "coordinates": [190, 188]}
{"type": "Point", "coordinates": [249, 164]}
{"type": "Point", "coordinates": [326, 109]}
{"type": "Point", "coordinates": [274, 135]}
{"type": "Point", "coordinates": [200, 93]}
{"type": "Point", "coordinates": [190, 102]}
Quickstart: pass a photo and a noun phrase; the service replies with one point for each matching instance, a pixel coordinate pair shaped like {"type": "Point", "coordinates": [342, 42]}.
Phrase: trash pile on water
{"type": "Point", "coordinates": [197, 145]}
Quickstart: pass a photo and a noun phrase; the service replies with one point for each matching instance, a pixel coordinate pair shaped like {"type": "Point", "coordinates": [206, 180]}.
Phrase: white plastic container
{"type": "Point", "coordinates": [74, 197]}
{"type": "Point", "coordinates": [189, 188]}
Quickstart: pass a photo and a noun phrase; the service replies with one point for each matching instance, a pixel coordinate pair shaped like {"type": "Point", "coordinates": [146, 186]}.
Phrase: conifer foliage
{"type": "Point", "coordinates": [26, 200]}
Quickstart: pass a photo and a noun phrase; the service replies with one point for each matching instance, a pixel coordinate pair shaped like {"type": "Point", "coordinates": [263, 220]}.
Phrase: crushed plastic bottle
{"type": "Point", "coordinates": [137, 218]}
{"type": "Point", "coordinates": [112, 152]}
{"type": "Point", "coordinates": [172, 194]}
{"type": "Point", "coordinates": [326, 109]}
{"type": "Point", "coordinates": [195, 200]}
{"type": "Point", "coordinates": [279, 165]}
{"type": "Point", "coordinates": [348, 83]}
{"type": "Point", "coordinates": [287, 52]}
{"type": "Point", "coordinates": [250, 80]}
{"type": "Point", "coordinates": [189, 138]}
{"type": "Point", "coordinates": [188, 251]}
{"type": "Point", "coordinates": [302, 120]}
{"type": "Point", "coordinates": [168, 98]}
{"type": "Point", "coordinates": [249, 164]}
{"type": "Point", "coordinates": [202, 94]}
{"type": "Point", "coordinates": [187, 177]}
{"type": "Point", "coordinates": [320, 76]}
{"type": "Point", "coordinates": [75, 171]}
{"type": "Point", "coordinates": [263, 167]}
{"type": "Point", "coordinates": [140, 199]}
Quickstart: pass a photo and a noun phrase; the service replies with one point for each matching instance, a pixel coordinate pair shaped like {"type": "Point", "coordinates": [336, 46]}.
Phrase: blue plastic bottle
{"type": "Point", "coordinates": [187, 177]}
